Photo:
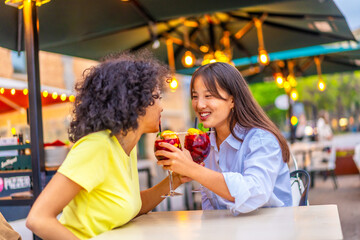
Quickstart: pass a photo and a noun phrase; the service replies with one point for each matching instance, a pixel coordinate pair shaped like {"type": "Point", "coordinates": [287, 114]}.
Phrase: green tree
{"type": "Point", "coordinates": [265, 94]}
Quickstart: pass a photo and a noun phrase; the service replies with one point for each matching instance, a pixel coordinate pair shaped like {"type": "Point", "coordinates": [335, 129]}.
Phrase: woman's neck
{"type": "Point", "coordinates": [129, 141]}
{"type": "Point", "coordinates": [221, 134]}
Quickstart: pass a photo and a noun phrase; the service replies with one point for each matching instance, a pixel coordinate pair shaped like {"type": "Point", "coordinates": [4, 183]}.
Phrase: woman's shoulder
{"type": "Point", "coordinates": [258, 134]}
{"type": "Point", "coordinates": [95, 139]}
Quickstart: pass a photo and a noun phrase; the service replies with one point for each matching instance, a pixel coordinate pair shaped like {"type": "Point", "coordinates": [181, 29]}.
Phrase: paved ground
{"type": "Point", "coordinates": [346, 197]}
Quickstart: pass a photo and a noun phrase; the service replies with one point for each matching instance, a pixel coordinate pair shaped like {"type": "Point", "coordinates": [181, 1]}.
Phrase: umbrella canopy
{"type": "Point", "coordinates": [14, 96]}
{"type": "Point", "coordinates": [92, 29]}
{"type": "Point", "coordinates": [334, 58]}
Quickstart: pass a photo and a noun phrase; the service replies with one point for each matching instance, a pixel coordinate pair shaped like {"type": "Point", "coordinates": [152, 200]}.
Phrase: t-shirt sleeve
{"type": "Point", "coordinates": [87, 163]}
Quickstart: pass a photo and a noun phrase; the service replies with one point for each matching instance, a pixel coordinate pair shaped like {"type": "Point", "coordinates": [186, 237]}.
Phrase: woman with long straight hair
{"type": "Point", "coordinates": [246, 168]}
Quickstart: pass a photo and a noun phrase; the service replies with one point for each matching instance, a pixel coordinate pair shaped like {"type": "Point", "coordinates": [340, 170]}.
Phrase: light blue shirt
{"type": "Point", "coordinates": [254, 172]}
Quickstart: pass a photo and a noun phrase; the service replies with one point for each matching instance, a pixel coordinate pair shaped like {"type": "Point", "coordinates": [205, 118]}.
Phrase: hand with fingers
{"type": "Point", "coordinates": [179, 161]}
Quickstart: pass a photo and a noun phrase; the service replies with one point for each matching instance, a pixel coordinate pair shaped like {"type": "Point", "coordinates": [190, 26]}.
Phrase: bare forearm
{"type": "Point", "coordinates": [50, 229]}
{"type": "Point", "coordinates": [152, 197]}
{"type": "Point", "coordinates": [212, 180]}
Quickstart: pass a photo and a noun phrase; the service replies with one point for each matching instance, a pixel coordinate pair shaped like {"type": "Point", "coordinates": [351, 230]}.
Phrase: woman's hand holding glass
{"type": "Point", "coordinates": [168, 142]}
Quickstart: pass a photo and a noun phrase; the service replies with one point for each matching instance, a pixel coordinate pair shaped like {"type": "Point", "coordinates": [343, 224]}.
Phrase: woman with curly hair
{"type": "Point", "coordinates": [97, 186]}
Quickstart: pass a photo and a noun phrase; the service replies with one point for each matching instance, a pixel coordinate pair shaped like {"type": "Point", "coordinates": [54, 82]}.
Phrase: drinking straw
{"type": "Point", "coordinates": [160, 126]}
{"type": "Point", "coordinates": [195, 125]}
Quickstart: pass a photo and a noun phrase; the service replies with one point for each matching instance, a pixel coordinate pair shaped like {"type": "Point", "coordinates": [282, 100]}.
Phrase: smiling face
{"type": "Point", "coordinates": [212, 111]}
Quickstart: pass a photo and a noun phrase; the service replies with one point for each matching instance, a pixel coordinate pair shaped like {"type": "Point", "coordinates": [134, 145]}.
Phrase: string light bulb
{"type": "Point", "coordinates": [54, 95]}
{"type": "Point", "coordinates": [173, 84]}
{"type": "Point", "coordinates": [287, 86]}
{"type": "Point", "coordinates": [292, 81]}
{"type": "Point", "coordinates": [188, 60]}
{"type": "Point", "coordinates": [279, 80]}
{"type": "Point", "coordinates": [63, 97]}
{"type": "Point", "coordinates": [321, 85]}
{"type": "Point", "coordinates": [294, 120]}
{"type": "Point", "coordinates": [45, 94]}
{"type": "Point", "coordinates": [294, 94]}
{"type": "Point", "coordinates": [263, 57]}
{"type": "Point", "coordinates": [71, 98]}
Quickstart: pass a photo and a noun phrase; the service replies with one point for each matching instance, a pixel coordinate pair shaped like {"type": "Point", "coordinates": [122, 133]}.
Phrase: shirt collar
{"type": "Point", "coordinates": [231, 140]}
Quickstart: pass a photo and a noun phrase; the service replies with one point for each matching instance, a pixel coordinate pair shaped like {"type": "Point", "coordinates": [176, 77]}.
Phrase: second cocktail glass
{"type": "Point", "coordinates": [197, 143]}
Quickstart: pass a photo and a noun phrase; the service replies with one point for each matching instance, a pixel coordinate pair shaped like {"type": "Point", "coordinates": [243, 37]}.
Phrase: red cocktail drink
{"type": "Point", "coordinates": [198, 144]}
{"type": "Point", "coordinates": [172, 141]}
{"type": "Point", "coordinates": [172, 138]}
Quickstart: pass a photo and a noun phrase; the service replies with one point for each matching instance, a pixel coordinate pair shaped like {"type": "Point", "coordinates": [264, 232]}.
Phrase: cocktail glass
{"type": "Point", "coordinates": [174, 140]}
{"type": "Point", "coordinates": [198, 144]}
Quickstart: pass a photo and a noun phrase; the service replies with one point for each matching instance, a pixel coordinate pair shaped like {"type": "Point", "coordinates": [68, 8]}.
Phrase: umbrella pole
{"type": "Point", "coordinates": [35, 111]}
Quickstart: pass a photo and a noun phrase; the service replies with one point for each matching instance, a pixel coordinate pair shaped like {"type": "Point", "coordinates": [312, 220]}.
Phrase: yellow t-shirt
{"type": "Point", "coordinates": [110, 196]}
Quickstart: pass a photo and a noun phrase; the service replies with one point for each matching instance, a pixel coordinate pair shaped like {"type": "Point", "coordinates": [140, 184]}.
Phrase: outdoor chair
{"type": "Point", "coordinates": [300, 183]}
{"type": "Point", "coordinates": [323, 163]}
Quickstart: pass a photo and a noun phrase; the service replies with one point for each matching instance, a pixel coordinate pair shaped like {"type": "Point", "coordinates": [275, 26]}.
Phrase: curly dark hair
{"type": "Point", "coordinates": [115, 93]}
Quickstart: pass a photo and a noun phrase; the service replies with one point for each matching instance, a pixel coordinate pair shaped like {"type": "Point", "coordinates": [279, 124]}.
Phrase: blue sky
{"type": "Point", "coordinates": [351, 10]}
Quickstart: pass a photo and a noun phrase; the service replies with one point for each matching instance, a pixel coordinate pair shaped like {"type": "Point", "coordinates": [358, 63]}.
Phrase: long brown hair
{"type": "Point", "coordinates": [247, 112]}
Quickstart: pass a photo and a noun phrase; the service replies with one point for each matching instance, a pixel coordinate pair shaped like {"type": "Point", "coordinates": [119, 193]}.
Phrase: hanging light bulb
{"type": "Point", "coordinates": [208, 58]}
{"type": "Point", "coordinates": [279, 80]}
{"type": "Point", "coordinates": [294, 120]}
{"type": "Point", "coordinates": [292, 81]}
{"type": "Point", "coordinates": [321, 85]}
{"type": "Point", "coordinates": [173, 84]}
{"type": "Point", "coordinates": [294, 94]}
{"type": "Point", "coordinates": [204, 48]}
{"type": "Point", "coordinates": [263, 57]}
{"type": "Point", "coordinates": [188, 60]}
{"type": "Point", "coordinates": [287, 87]}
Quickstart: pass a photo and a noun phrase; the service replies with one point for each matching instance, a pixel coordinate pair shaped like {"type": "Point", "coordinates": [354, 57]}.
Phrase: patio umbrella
{"type": "Point", "coordinates": [335, 58]}
{"type": "Point", "coordinates": [92, 29]}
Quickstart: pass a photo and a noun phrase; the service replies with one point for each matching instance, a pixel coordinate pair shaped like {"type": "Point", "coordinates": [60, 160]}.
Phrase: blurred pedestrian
{"type": "Point", "coordinates": [324, 132]}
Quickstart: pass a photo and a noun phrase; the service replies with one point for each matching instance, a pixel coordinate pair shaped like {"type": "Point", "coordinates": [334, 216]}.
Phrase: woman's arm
{"type": "Point", "coordinates": [42, 217]}
{"type": "Point", "coordinates": [151, 197]}
{"type": "Point", "coordinates": [182, 163]}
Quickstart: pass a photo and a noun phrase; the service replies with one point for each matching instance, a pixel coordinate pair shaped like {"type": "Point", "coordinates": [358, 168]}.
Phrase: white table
{"type": "Point", "coordinates": [310, 222]}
